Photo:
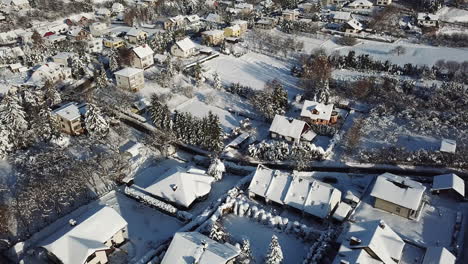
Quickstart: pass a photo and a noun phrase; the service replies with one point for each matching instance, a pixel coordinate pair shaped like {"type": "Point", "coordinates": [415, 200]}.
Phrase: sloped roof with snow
{"type": "Point", "coordinates": [353, 23]}
{"type": "Point", "coordinates": [213, 32]}
{"type": "Point", "coordinates": [449, 181]}
{"type": "Point", "coordinates": [185, 44]}
{"type": "Point", "coordinates": [135, 32]}
{"type": "Point", "coordinates": [339, 15]}
{"type": "Point", "coordinates": [69, 111]}
{"type": "Point", "coordinates": [448, 145]}
{"type": "Point", "coordinates": [342, 211]}
{"type": "Point", "coordinates": [371, 236]}
{"type": "Point", "coordinates": [287, 127]}
{"type": "Point", "coordinates": [193, 18]}
{"type": "Point", "coordinates": [128, 72]}
{"type": "Point", "coordinates": [360, 3]}
{"type": "Point", "coordinates": [215, 18]}
{"type": "Point", "coordinates": [324, 111]}
{"type": "Point", "coordinates": [73, 245]}
{"type": "Point", "coordinates": [193, 247]}
{"type": "Point", "coordinates": [143, 51]}
{"type": "Point", "coordinates": [181, 186]}
{"type": "Point", "coordinates": [438, 255]}
{"type": "Point", "coordinates": [427, 16]}
{"type": "Point", "coordinates": [398, 190]}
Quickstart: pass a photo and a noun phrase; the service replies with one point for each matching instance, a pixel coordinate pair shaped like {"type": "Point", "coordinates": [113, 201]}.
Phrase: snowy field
{"type": "Point", "coordinates": [259, 235]}
{"type": "Point", "coordinates": [451, 14]}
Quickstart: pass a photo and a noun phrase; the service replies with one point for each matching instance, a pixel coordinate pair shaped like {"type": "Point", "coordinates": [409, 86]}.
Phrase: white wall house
{"type": "Point", "coordinates": [428, 20]}
{"type": "Point", "coordinates": [98, 29]}
{"type": "Point", "coordinates": [50, 72]}
{"type": "Point", "coordinates": [290, 129]}
{"type": "Point", "coordinates": [94, 45]}
{"type": "Point", "coordinates": [183, 48]}
{"type": "Point", "coordinates": [142, 57]}
{"type": "Point", "coordinates": [130, 79]}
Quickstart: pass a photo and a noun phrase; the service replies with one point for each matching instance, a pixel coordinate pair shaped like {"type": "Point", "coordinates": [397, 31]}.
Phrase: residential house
{"type": "Point", "coordinates": [450, 183]}
{"type": "Point", "coordinates": [318, 113]}
{"type": "Point", "coordinates": [353, 26]}
{"type": "Point", "coordinates": [17, 67]}
{"type": "Point", "coordinates": [113, 43]}
{"type": "Point", "coordinates": [142, 57]}
{"type": "Point", "coordinates": [290, 15]}
{"type": "Point", "coordinates": [428, 20]}
{"type": "Point", "coordinates": [117, 8]}
{"type": "Point", "coordinates": [266, 23]}
{"type": "Point", "coordinates": [98, 29]}
{"type": "Point", "coordinates": [103, 12]}
{"type": "Point", "coordinates": [438, 255]}
{"type": "Point", "coordinates": [192, 20]}
{"type": "Point", "coordinates": [130, 79]}
{"type": "Point", "coordinates": [338, 3]}
{"type": "Point", "coordinates": [70, 117]}
{"type": "Point", "coordinates": [299, 192]}
{"type": "Point", "coordinates": [89, 239]}
{"type": "Point", "coordinates": [136, 35]}
{"type": "Point", "coordinates": [52, 39]}
{"type": "Point", "coordinates": [193, 247]}
{"type": "Point", "coordinates": [448, 146]}
{"type": "Point", "coordinates": [183, 48]}
{"type": "Point", "coordinates": [174, 23]}
{"type": "Point", "coordinates": [51, 71]}
{"type": "Point", "coordinates": [242, 24]}
{"type": "Point", "coordinates": [244, 7]}
{"type": "Point", "coordinates": [360, 4]}
{"type": "Point", "coordinates": [341, 17]}
{"type": "Point", "coordinates": [214, 19]}
{"type": "Point", "coordinates": [213, 37]}
{"type": "Point", "coordinates": [232, 31]}
{"type": "Point", "coordinates": [181, 186]}
{"type": "Point", "coordinates": [79, 33]}
{"type": "Point", "coordinates": [94, 45]}
{"type": "Point", "coordinates": [398, 195]}
{"type": "Point", "coordinates": [290, 129]}
{"type": "Point", "coordinates": [63, 58]}
{"type": "Point", "coordinates": [384, 2]}
{"type": "Point", "coordinates": [370, 242]}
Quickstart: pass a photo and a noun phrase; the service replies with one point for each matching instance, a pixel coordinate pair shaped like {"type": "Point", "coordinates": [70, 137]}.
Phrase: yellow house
{"type": "Point", "coordinates": [213, 37]}
{"type": "Point", "coordinates": [242, 24]}
{"type": "Point", "coordinates": [232, 31]}
{"type": "Point", "coordinates": [113, 43]}
{"type": "Point", "coordinates": [70, 117]}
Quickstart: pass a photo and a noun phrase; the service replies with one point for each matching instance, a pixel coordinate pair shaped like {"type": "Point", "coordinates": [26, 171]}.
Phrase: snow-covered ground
{"type": "Point", "coordinates": [452, 14]}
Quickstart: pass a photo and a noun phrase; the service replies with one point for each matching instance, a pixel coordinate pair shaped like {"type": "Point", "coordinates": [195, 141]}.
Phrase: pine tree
{"type": "Point", "coordinates": [275, 254]}
{"type": "Point", "coordinates": [160, 113]}
{"type": "Point", "coordinates": [113, 63]}
{"type": "Point", "coordinates": [13, 120]}
{"type": "Point", "coordinates": [216, 169]}
{"type": "Point", "coordinates": [96, 124]}
{"type": "Point", "coordinates": [217, 81]}
{"type": "Point", "coordinates": [214, 134]}
{"type": "Point", "coordinates": [101, 78]}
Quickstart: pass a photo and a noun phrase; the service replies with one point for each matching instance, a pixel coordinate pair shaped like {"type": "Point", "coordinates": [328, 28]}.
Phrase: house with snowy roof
{"type": "Point", "coordinates": [242, 24]}
{"type": "Point", "coordinates": [174, 23]}
{"type": "Point", "coordinates": [290, 129]}
{"type": "Point", "coordinates": [384, 2]}
{"type": "Point", "coordinates": [214, 18]}
{"type": "Point", "coordinates": [341, 17]}
{"type": "Point", "coordinates": [63, 58]}
{"type": "Point", "coordinates": [78, 33]}
{"type": "Point", "coordinates": [181, 186]}
{"type": "Point", "coordinates": [448, 146]}
{"type": "Point", "coordinates": [232, 31]}
{"type": "Point", "coordinates": [398, 195]}
{"type": "Point", "coordinates": [438, 255]}
{"type": "Point", "coordinates": [213, 37]}
{"type": "Point", "coordinates": [318, 113]}
{"type": "Point", "coordinates": [360, 4]}
{"type": "Point", "coordinates": [372, 242]}
{"type": "Point", "coordinates": [428, 20]}
{"type": "Point", "coordinates": [113, 42]}
{"type": "Point", "coordinates": [98, 29]}
{"type": "Point", "coordinates": [244, 7]}
{"type": "Point", "coordinates": [50, 71]}
{"type": "Point", "coordinates": [304, 194]}
{"type": "Point", "coordinates": [183, 48]}
{"type": "Point", "coordinates": [448, 183]}
{"type": "Point", "coordinates": [353, 26]}
{"type": "Point", "coordinates": [142, 57]}
{"type": "Point", "coordinates": [103, 12]}
{"type": "Point", "coordinates": [131, 79]}
{"type": "Point", "coordinates": [88, 240]}
{"type": "Point", "coordinates": [70, 117]}
{"type": "Point", "coordinates": [290, 15]}
{"type": "Point", "coordinates": [117, 8]}
{"type": "Point", "coordinates": [94, 45]}
{"type": "Point", "coordinates": [193, 247]}
{"type": "Point", "coordinates": [135, 35]}
{"type": "Point", "coordinates": [192, 20]}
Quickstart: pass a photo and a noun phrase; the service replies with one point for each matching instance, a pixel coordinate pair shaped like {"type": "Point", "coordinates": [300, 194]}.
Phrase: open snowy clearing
{"type": "Point", "coordinates": [451, 14]}
{"type": "Point", "coordinates": [294, 249]}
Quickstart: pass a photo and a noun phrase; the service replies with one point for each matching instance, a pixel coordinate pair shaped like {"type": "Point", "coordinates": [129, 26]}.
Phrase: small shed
{"type": "Point", "coordinates": [342, 211]}
{"type": "Point", "coordinates": [448, 145]}
{"type": "Point", "coordinates": [448, 183]}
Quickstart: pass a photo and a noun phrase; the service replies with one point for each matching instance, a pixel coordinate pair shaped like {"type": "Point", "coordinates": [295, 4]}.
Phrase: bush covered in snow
{"type": "Point", "coordinates": [319, 248]}
{"type": "Point", "coordinates": [281, 151]}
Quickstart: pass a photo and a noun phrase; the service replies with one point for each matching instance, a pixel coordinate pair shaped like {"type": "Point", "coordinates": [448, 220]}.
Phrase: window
{"type": "Point", "coordinates": [398, 209]}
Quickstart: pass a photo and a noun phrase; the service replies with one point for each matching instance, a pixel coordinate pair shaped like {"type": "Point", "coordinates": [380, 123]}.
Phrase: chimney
{"type": "Point", "coordinates": [290, 119]}
{"type": "Point", "coordinates": [353, 241]}
{"type": "Point", "coordinates": [382, 224]}
{"type": "Point", "coordinates": [72, 222]}
{"type": "Point", "coordinates": [174, 187]}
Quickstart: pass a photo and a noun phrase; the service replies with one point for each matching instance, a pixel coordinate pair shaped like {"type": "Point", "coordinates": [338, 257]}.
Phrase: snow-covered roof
{"type": "Point", "coordinates": [213, 32]}
{"type": "Point", "coordinates": [74, 31]}
{"type": "Point", "coordinates": [372, 237]}
{"type": "Point", "coordinates": [143, 51]}
{"type": "Point", "coordinates": [288, 127]}
{"type": "Point", "coordinates": [176, 18]}
{"type": "Point", "coordinates": [215, 18]}
{"type": "Point", "coordinates": [342, 211]}
{"type": "Point", "coordinates": [128, 72]}
{"type": "Point", "coordinates": [316, 110]}
{"type": "Point", "coordinates": [103, 11]}
{"type": "Point", "coordinates": [427, 16]}
{"type": "Point", "coordinates": [235, 27]}
{"type": "Point", "coordinates": [238, 140]}
{"type": "Point", "coordinates": [448, 145]}
{"type": "Point", "coordinates": [185, 44]}
{"type": "Point", "coordinates": [398, 190]}
{"type": "Point", "coordinates": [73, 245]}
{"type": "Point", "coordinates": [244, 6]}
{"type": "Point", "coordinates": [193, 18]}
{"type": "Point", "coordinates": [353, 23]}
{"type": "Point", "coordinates": [181, 186]}
{"type": "Point", "coordinates": [238, 22]}
{"type": "Point", "coordinates": [449, 181]}
{"type": "Point", "coordinates": [358, 3]}
{"type": "Point", "coordinates": [193, 247]}
{"type": "Point", "coordinates": [135, 32]}
{"type": "Point", "coordinates": [438, 255]}
{"type": "Point", "coordinates": [291, 12]}
{"type": "Point", "coordinates": [339, 15]}
{"type": "Point", "coordinates": [63, 55]}
{"type": "Point", "coordinates": [307, 195]}
{"type": "Point", "coordinates": [69, 111]}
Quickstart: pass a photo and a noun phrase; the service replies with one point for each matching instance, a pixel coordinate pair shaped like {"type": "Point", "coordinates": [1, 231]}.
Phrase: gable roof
{"type": "Point", "coordinates": [342, 15]}
{"type": "Point", "coordinates": [69, 111]}
{"type": "Point", "coordinates": [449, 181]}
{"type": "Point", "coordinates": [181, 186]}
{"type": "Point", "coordinates": [287, 127]}
{"type": "Point", "coordinates": [427, 16]}
{"type": "Point", "coordinates": [215, 18]}
{"type": "Point", "coordinates": [324, 110]}
{"type": "Point", "coordinates": [143, 51]}
{"type": "Point", "coordinates": [360, 3]}
{"type": "Point", "coordinates": [438, 255]}
{"type": "Point", "coordinates": [398, 190]}
{"type": "Point", "coordinates": [185, 44]}
{"type": "Point", "coordinates": [193, 247]}
{"type": "Point", "coordinates": [128, 72]}
{"type": "Point", "coordinates": [371, 236]}
{"type": "Point", "coordinates": [73, 245]}
{"type": "Point", "coordinates": [353, 23]}
{"type": "Point", "coordinates": [135, 32]}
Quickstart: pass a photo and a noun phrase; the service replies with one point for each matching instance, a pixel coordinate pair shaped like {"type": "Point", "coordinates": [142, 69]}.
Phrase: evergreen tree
{"type": "Point", "coordinates": [275, 254]}
{"type": "Point", "coordinates": [96, 125]}
{"type": "Point", "coordinates": [100, 78]}
{"type": "Point", "coordinates": [217, 84]}
{"type": "Point", "coordinates": [159, 113]}
{"type": "Point", "coordinates": [13, 120]}
{"type": "Point", "coordinates": [216, 169]}
{"type": "Point", "coordinates": [113, 63]}
{"type": "Point", "coordinates": [214, 134]}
